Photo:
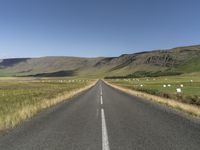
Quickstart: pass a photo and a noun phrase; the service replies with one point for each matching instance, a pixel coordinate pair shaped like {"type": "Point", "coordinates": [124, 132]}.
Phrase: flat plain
{"type": "Point", "coordinates": [166, 86]}
{"type": "Point", "coordinates": [21, 98]}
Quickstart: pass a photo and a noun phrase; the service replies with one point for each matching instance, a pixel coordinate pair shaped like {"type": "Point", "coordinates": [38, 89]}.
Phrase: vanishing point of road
{"type": "Point", "coordinates": [103, 118]}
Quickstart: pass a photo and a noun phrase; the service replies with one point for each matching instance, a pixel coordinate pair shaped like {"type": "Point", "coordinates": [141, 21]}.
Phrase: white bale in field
{"type": "Point", "coordinates": [169, 85]}
{"type": "Point", "coordinates": [178, 90]}
{"type": "Point", "coordinates": [191, 80]}
{"type": "Point", "coordinates": [141, 85]}
{"type": "Point", "coordinates": [181, 85]}
{"type": "Point", "coordinates": [164, 86]}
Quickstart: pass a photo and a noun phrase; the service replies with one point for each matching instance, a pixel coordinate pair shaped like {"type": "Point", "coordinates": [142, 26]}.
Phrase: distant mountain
{"type": "Point", "coordinates": [180, 59]}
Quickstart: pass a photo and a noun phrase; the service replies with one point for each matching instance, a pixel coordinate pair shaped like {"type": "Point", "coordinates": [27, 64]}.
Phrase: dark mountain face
{"type": "Point", "coordinates": [104, 61]}
{"type": "Point", "coordinates": [125, 64]}
{"type": "Point", "coordinates": [165, 60]}
{"type": "Point", "coordinates": [11, 62]}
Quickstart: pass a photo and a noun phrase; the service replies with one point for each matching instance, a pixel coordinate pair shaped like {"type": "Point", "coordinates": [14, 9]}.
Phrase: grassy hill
{"type": "Point", "coordinates": [180, 59]}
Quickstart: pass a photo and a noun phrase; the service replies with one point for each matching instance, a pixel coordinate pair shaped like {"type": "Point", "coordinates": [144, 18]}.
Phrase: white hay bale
{"type": "Point", "coordinates": [178, 90]}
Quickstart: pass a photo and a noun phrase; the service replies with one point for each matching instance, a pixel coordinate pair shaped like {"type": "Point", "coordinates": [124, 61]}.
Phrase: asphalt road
{"type": "Point", "coordinates": [103, 118]}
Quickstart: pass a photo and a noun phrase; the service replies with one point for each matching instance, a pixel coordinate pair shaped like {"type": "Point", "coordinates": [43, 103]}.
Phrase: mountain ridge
{"type": "Point", "coordinates": [158, 60]}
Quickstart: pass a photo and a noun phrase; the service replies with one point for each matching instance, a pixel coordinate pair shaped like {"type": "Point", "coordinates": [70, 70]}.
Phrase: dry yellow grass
{"type": "Point", "coordinates": [30, 110]}
{"type": "Point", "coordinates": [187, 108]}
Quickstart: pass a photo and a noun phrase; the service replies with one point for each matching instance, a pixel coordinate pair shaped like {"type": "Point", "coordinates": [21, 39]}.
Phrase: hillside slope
{"type": "Point", "coordinates": [180, 59]}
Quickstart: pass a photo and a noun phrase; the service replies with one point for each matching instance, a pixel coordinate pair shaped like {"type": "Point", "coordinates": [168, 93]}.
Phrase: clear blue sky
{"type": "Point", "coordinates": [32, 28]}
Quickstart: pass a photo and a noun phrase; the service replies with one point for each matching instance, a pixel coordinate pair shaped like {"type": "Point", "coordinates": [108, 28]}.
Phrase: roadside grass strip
{"type": "Point", "coordinates": [191, 109]}
{"type": "Point", "coordinates": [20, 100]}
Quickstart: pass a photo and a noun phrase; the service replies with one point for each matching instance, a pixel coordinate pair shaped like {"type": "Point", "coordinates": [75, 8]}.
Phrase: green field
{"type": "Point", "coordinates": [166, 86]}
{"type": "Point", "coordinates": [21, 98]}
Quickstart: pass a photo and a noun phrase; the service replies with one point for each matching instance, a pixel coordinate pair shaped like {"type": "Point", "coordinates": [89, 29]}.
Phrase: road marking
{"type": "Point", "coordinates": [101, 100]}
{"type": "Point", "coordinates": [101, 95]}
{"type": "Point", "coordinates": [101, 90]}
{"type": "Point", "coordinates": [105, 142]}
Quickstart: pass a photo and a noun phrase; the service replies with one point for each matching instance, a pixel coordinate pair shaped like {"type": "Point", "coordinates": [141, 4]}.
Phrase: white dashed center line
{"type": "Point", "coordinates": [105, 142]}
{"type": "Point", "coordinates": [101, 100]}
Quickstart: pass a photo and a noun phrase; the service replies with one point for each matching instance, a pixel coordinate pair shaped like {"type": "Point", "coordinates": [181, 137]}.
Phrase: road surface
{"type": "Point", "coordinates": [103, 118]}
